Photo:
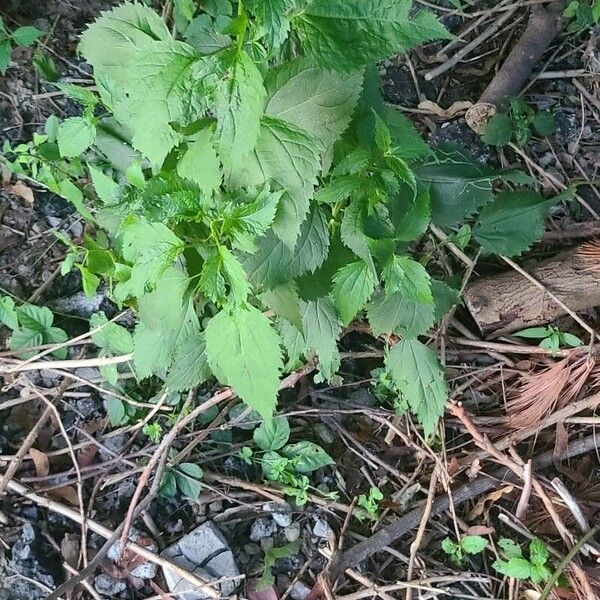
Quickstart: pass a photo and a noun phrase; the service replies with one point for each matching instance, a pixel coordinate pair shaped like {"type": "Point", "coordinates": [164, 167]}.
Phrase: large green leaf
{"type": "Point", "coordinates": [419, 377]}
{"type": "Point", "coordinates": [272, 16]}
{"type": "Point", "coordinates": [399, 314]}
{"type": "Point", "coordinates": [322, 328]}
{"type": "Point", "coordinates": [512, 223]}
{"type": "Point", "coordinates": [240, 100]}
{"type": "Point", "coordinates": [275, 263]}
{"type": "Point", "coordinates": [111, 44]}
{"type": "Point", "coordinates": [458, 189]}
{"type": "Point", "coordinates": [244, 352]}
{"type": "Point", "coordinates": [200, 163]}
{"type": "Point", "coordinates": [288, 157]}
{"type": "Point", "coordinates": [353, 285]}
{"type": "Point", "coordinates": [317, 100]}
{"type": "Point", "coordinates": [408, 277]}
{"type": "Point", "coordinates": [190, 364]}
{"type": "Point", "coordinates": [348, 34]}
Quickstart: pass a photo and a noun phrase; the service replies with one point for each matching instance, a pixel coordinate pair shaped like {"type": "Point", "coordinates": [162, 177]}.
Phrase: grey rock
{"type": "Point", "coordinates": [79, 305]}
{"type": "Point", "coordinates": [205, 553]}
{"type": "Point", "coordinates": [107, 586]}
{"type": "Point", "coordinates": [292, 533]}
{"type": "Point", "coordinates": [281, 512]}
{"type": "Point", "coordinates": [262, 528]}
{"type": "Point", "coordinates": [299, 591]}
{"type": "Point", "coordinates": [322, 529]}
{"type": "Point", "coordinates": [267, 544]}
{"type": "Point", "coordinates": [146, 570]}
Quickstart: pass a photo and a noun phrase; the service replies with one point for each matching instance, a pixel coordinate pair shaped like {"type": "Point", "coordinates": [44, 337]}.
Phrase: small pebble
{"type": "Point", "coordinates": [267, 544]}
{"type": "Point", "coordinates": [299, 591]}
{"type": "Point", "coordinates": [107, 586]}
{"type": "Point", "coordinates": [292, 533]}
{"type": "Point", "coordinates": [262, 528]}
{"type": "Point", "coordinates": [322, 529]}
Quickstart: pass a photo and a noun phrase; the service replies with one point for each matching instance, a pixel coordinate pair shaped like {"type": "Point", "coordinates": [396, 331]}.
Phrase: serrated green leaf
{"type": "Point", "coordinates": [38, 318]}
{"type": "Point", "coordinates": [239, 104]}
{"type": "Point", "coordinates": [8, 314]}
{"type": "Point", "coordinates": [473, 544]}
{"type": "Point", "coordinates": [273, 434]}
{"type": "Point", "coordinates": [84, 96]}
{"type": "Point", "coordinates": [112, 338]}
{"type": "Point", "coordinates": [353, 285]}
{"type": "Point", "coordinates": [275, 263]}
{"type": "Point", "coordinates": [445, 298]}
{"type": "Point", "coordinates": [371, 29]}
{"type": "Point", "coordinates": [512, 223]}
{"type": "Point", "coordinates": [457, 189]}
{"type": "Point", "coordinates": [190, 364]}
{"type": "Point", "coordinates": [321, 327]}
{"type": "Point", "coordinates": [23, 338]}
{"type": "Point", "coordinates": [307, 457]}
{"type": "Point", "coordinates": [200, 163]}
{"type": "Point", "coordinates": [352, 232]}
{"type": "Point", "coordinates": [544, 123]}
{"type": "Point", "coordinates": [287, 157]}
{"type": "Point", "coordinates": [409, 278]}
{"type": "Point", "coordinates": [5, 55]}
{"type": "Point", "coordinates": [510, 548]}
{"type": "Point", "coordinates": [111, 44]}
{"type": "Point", "coordinates": [115, 411]}
{"type": "Point", "coordinates": [271, 14]}
{"type": "Point", "coordinates": [518, 568]}
{"type": "Point", "coordinates": [538, 552]}
{"type": "Point", "coordinates": [69, 191]}
{"type": "Point", "coordinates": [318, 101]}
{"type": "Point", "coordinates": [243, 352]}
{"type": "Point", "coordinates": [106, 188]}
{"type": "Point", "coordinates": [75, 136]}
{"type": "Point", "coordinates": [498, 131]}
{"type": "Point", "coordinates": [187, 477]}
{"type": "Point", "coordinates": [150, 248]}
{"type": "Point", "coordinates": [398, 314]}
{"type": "Point", "coordinates": [204, 33]}
{"type": "Point", "coordinates": [283, 300]}
{"type": "Point", "coordinates": [418, 376]}
{"type": "Point", "coordinates": [26, 36]}
{"type": "Point", "coordinates": [410, 218]}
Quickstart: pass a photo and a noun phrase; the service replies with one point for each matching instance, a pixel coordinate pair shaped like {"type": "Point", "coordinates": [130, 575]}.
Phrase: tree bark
{"type": "Point", "coordinates": [508, 302]}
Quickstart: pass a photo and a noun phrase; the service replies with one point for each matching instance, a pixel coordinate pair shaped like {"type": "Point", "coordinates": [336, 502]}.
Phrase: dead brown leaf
{"type": "Point", "coordinates": [41, 462]}
{"type": "Point", "coordinates": [456, 108]}
{"type": "Point", "coordinates": [23, 191]}
{"type": "Point", "coordinates": [480, 530]}
{"type": "Point", "coordinates": [66, 493]}
{"type": "Point", "coordinates": [485, 503]}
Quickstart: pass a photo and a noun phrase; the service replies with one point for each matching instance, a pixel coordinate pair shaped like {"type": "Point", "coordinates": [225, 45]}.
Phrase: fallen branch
{"type": "Point", "coordinates": [544, 25]}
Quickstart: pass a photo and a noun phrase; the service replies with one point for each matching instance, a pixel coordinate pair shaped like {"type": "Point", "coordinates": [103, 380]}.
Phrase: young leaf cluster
{"type": "Point", "coordinates": [21, 36]}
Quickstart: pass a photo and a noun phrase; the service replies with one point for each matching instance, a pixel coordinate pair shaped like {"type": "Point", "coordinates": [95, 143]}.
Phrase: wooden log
{"type": "Point", "coordinates": [508, 302]}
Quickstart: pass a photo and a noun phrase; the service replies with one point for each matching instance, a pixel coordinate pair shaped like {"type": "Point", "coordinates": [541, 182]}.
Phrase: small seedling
{"type": "Point", "coordinates": [370, 503]}
{"type": "Point", "coordinates": [22, 36]}
{"type": "Point", "coordinates": [267, 579]}
{"type": "Point", "coordinates": [534, 569]}
{"type": "Point", "coordinates": [518, 123]}
{"type": "Point", "coordinates": [154, 431]}
{"type": "Point", "coordinates": [551, 338]}
{"type": "Point", "coordinates": [184, 478]}
{"type": "Point", "coordinates": [470, 544]}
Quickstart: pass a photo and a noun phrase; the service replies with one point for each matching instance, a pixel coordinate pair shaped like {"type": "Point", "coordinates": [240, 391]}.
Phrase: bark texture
{"type": "Point", "coordinates": [508, 302]}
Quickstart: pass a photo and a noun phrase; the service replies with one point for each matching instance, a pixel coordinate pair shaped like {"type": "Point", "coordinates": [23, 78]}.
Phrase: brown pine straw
{"type": "Point", "coordinates": [542, 393]}
{"type": "Point", "coordinates": [589, 254]}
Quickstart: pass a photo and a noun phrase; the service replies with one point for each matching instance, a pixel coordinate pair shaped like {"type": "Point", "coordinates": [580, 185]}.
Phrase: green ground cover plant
{"type": "Point", "coordinates": [249, 193]}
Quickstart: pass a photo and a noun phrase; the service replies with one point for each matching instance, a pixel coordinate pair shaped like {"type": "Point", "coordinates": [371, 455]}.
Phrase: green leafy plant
{"type": "Point", "coordinates": [551, 337]}
{"type": "Point", "coordinates": [582, 13]}
{"type": "Point", "coordinates": [469, 544]}
{"type": "Point", "coordinates": [185, 478]}
{"type": "Point", "coordinates": [535, 568]}
{"type": "Point", "coordinates": [31, 326]}
{"type": "Point", "coordinates": [22, 36]}
{"type": "Point", "coordinates": [370, 503]}
{"type": "Point", "coordinates": [288, 464]}
{"type": "Point", "coordinates": [256, 194]}
{"type": "Point", "coordinates": [518, 123]}
{"type": "Point", "coordinates": [267, 579]}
